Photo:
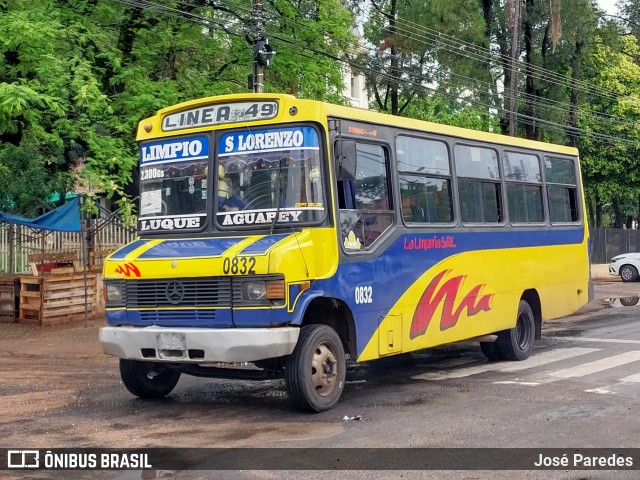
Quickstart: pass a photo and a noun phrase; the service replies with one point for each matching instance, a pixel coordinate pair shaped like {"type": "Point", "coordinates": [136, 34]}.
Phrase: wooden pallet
{"type": "Point", "coordinates": [9, 298]}
{"type": "Point", "coordinates": [57, 299]}
{"type": "Point", "coordinates": [52, 263]}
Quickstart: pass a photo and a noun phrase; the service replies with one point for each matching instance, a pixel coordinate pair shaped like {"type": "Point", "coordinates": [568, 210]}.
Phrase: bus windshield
{"type": "Point", "coordinates": [269, 176]}
{"type": "Point", "coordinates": [173, 184]}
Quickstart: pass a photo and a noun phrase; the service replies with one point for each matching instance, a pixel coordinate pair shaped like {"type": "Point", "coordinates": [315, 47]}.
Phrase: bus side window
{"type": "Point", "coordinates": [478, 184]}
{"type": "Point", "coordinates": [562, 189]}
{"type": "Point", "coordinates": [425, 180]}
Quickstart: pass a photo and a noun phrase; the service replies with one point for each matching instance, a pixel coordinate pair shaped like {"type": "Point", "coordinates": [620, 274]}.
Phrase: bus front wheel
{"type": "Point", "coordinates": [315, 371]}
{"type": "Point", "coordinates": [517, 343]}
{"type": "Point", "coordinates": [147, 379]}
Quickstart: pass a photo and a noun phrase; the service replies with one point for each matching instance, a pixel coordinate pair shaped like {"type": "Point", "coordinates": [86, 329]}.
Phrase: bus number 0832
{"type": "Point", "coordinates": [241, 265]}
{"type": "Point", "coordinates": [364, 294]}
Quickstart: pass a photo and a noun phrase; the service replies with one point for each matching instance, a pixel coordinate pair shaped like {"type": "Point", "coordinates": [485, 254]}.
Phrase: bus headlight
{"type": "Point", "coordinates": [115, 292]}
{"type": "Point", "coordinates": [254, 290]}
{"type": "Point", "coordinates": [264, 292]}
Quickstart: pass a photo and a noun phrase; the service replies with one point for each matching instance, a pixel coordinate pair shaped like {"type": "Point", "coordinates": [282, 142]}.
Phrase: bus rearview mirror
{"type": "Point", "coordinates": [346, 160]}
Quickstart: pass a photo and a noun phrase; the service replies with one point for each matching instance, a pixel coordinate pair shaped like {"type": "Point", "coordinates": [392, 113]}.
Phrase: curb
{"type": "Point", "coordinates": [600, 271]}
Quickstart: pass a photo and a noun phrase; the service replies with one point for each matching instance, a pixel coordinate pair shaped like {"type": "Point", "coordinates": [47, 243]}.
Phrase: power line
{"type": "Point", "coordinates": [536, 101]}
{"type": "Point", "coordinates": [429, 35]}
{"type": "Point", "coordinates": [525, 119]}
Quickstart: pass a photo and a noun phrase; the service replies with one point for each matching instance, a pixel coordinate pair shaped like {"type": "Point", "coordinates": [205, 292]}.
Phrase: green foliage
{"type": "Point", "coordinates": [77, 76]}
{"type": "Point", "coordinates": [404, 51]}
{"type": "Point", "coordinates": [440, 109]}
{"type": "Point", "coordinates": [610, 168]}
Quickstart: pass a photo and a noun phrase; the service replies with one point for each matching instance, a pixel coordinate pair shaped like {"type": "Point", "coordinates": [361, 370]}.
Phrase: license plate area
{"type": "Point", "coordinates": [171, 345]}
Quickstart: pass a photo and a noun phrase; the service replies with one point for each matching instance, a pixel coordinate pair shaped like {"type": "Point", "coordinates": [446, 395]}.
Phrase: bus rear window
{"type": "Point", "coordinates": [562, 189]}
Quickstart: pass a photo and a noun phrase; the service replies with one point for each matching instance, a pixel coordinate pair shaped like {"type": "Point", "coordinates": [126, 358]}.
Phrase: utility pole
{"type": "Point", "coordinates": [513, 87]}
{"type": "Point", "coordinates": [262, 52]}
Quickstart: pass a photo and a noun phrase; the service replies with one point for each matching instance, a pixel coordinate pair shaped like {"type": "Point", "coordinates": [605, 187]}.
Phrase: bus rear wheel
{"type": "Point", "coordinates": [315, 371]}
{"type": "Point", "coordinates": [517, 343]}
{"type": "Point", "coordinates": [147, 379]}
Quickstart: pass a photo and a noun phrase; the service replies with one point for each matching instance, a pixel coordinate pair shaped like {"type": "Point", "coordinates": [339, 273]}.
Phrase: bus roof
{"type": "Point", "coordinates": [151, 127]}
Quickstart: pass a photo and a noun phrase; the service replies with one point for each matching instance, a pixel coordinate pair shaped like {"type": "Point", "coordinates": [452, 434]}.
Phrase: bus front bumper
{"type": "Point", "coordinates": [198, 345]}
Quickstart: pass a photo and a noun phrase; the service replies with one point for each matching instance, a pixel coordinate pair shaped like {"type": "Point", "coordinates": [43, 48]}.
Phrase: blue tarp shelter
{"type": "Point", "coordinates": [63, 219]}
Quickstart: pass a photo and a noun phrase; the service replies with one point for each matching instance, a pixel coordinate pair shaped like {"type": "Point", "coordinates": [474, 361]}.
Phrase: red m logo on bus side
{"type": "Point", "coordinates": [127, 269]}
{"type": "Point", "coordinates": [433, 296]}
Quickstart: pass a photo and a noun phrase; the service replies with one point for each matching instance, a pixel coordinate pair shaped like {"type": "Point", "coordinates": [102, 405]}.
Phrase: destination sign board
{"type": "Point", "coordinates": [218, 114]}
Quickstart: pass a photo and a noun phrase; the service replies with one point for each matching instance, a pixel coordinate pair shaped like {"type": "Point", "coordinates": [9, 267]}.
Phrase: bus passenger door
{"type": "Point", "coordinates": [366, 223]}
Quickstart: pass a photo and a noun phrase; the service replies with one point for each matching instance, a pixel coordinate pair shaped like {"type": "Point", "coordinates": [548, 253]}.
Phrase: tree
{"type": "Point", "coordinates": [77, 76]}
{"type": "Point", "coordinates": [610, 169]}
{"type": "Point", "coordinates": [409, 61]}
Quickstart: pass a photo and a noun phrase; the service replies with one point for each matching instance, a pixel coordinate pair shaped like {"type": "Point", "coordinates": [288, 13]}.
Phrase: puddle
{"type": "Point", "coordinates": [622, 302]}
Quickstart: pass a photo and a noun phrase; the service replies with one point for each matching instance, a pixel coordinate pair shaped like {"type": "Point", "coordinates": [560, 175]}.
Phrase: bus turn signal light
{"type": "Point", "coordinates": [275, 290]}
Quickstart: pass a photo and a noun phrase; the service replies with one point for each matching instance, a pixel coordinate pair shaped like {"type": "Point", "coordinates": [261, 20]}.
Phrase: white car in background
{"type": "Point", "coordinates": [626, 265]}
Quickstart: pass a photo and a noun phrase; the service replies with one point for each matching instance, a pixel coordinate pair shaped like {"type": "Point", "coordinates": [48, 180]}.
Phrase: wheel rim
{"type": "Point", "coordinates": [523, 331]}
{"type": "Point", "coordinates": [324, 369]}
{"type": "Point", "coordinates": [626, 273]}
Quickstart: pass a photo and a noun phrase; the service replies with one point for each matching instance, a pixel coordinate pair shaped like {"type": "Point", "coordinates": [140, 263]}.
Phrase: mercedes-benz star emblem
{"type": "Point", "coordinates": [174, 292]}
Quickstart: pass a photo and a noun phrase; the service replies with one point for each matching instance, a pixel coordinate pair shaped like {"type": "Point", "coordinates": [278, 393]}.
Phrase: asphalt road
{"type": "Point", "coordinates": [580, 388]}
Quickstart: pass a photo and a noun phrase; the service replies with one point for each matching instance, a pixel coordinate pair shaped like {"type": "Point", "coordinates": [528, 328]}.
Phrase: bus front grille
{"type": "Point", "coordinates": [161, 316]}
{"type": "Point", "coordinates": [182, 292]}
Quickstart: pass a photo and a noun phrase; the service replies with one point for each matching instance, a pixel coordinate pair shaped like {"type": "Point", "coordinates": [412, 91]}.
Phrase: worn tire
{"type": "Point", "coordinates": [628, 273]}
{"type": "Point", "coordinates": [312, 389]}
{"type": "Point", "coordinates": [517, 343]}
{"type": "Point", "coordinates": [136, 378]}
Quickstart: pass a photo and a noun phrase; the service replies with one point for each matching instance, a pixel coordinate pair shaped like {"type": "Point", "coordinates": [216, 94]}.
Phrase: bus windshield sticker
{"type": "Point", "coordinates": [151, 202]}
{"type": "Point", "coordinates": [220, 114]}
{"type": "Point", "coordinates": [174, 150]}
{"type": "Point", "coordinates": [177, 223]}
{"type": "Point", "coordinates": [257, 141]}
{"type": "Point", "coordinates": [314, 175]}
{"type": "Point", "coordinates": [351, 242]}
{"type": "Point", "coordinates": [253, 218]}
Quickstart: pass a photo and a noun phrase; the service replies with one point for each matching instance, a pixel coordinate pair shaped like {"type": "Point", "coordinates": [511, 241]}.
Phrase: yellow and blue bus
{"type": "Point", "coordinates": [280, 237]}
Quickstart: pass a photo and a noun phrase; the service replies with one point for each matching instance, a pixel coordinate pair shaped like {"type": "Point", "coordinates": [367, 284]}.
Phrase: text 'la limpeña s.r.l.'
{"type": "Point", "coordinates": [418, 243]}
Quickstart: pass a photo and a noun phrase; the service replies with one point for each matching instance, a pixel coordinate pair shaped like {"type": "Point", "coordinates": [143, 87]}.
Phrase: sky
{"type": "Point", "coordinates": [608, 6]}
